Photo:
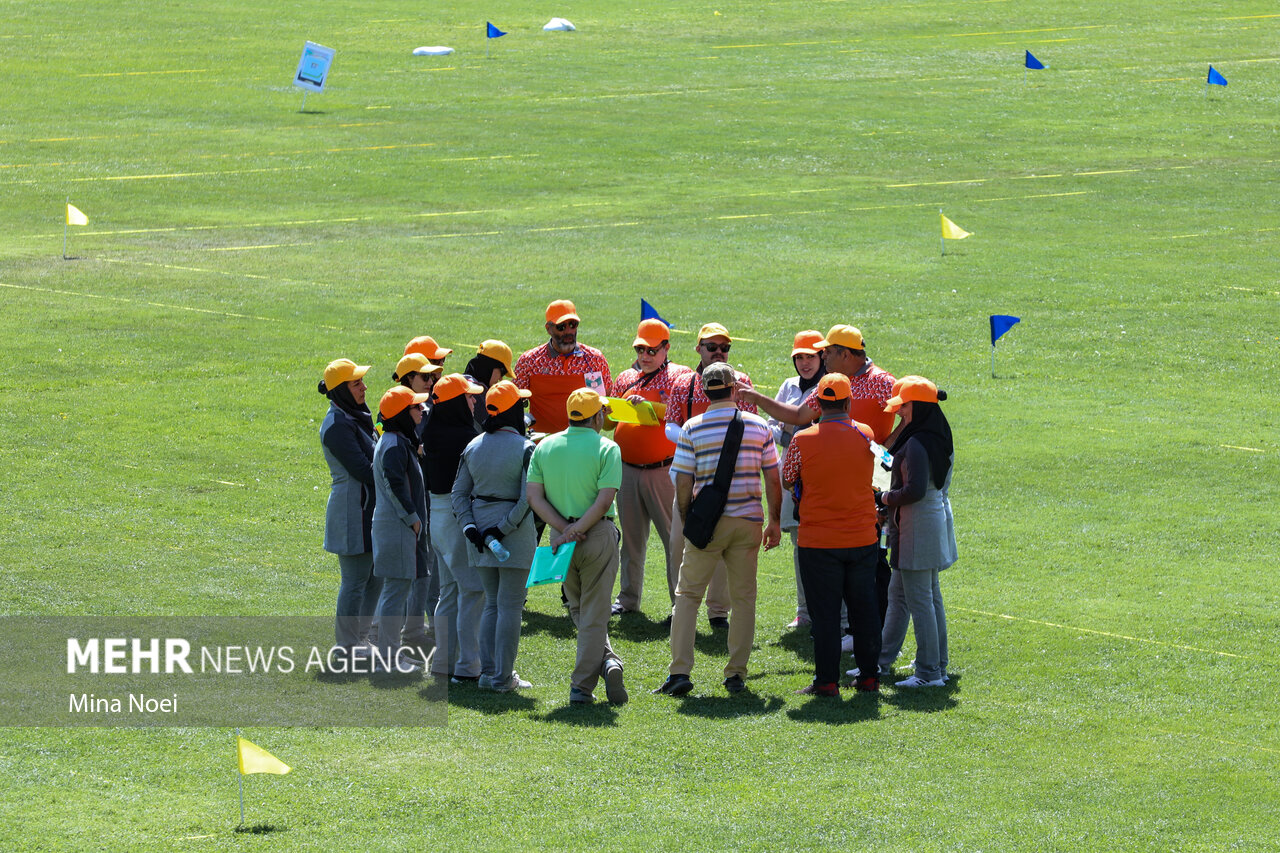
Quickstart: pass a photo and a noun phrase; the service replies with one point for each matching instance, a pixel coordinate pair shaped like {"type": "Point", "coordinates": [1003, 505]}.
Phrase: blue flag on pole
{"type": "Point", "coordinates": [648, 312]}
{"type": "Point", "coordinates": [492, 31]}
{"type": "Point", "coordinates": [1001, 323]}
{"type": "Point", "coordinates": [1033, 63]}
{"type": "Point", "coordinates": [1215, 78]}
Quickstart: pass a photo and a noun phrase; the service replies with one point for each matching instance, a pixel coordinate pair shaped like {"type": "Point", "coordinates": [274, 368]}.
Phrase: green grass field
{"type": "Point", "coordinates": [776, 166]}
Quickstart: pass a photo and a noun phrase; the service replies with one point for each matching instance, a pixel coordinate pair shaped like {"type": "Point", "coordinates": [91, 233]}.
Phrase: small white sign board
{"type": "Point", "coordinates": [313, 67]}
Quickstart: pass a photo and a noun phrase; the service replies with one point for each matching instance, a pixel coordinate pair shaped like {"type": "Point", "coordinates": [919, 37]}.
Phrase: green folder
{"type": "Point", "coordinates": [548, 567]}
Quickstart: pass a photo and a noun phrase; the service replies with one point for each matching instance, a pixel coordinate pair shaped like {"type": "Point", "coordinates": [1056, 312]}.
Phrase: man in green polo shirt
{"type": "Point", "coordinates": [573, 477]}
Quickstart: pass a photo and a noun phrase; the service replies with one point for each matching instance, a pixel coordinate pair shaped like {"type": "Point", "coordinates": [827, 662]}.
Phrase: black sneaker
{"type": "Point", "coordinates": [735, 684]}
{"type": "Point", "coordinates": [675, 685]}
{"type": "Point", "coordinates": [719, 622]}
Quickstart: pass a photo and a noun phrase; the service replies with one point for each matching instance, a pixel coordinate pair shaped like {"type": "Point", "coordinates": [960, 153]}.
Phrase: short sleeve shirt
{"type": "Point", "coordinates": [552, 377]}
{"type": "Point", "coordinates": [872, 389]}
{"type": "Point", "coordinates": [689, 399]}
{"type": "Point", "coordinates": [698, 455]}
{"type": "Point", "coordinates": [573, 466]}
{"type": "Point", "coordinates": [646, 445]}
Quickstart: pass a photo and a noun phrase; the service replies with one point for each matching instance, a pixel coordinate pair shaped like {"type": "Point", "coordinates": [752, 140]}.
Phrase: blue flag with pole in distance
{"type": "Point", "coordinates": [648, 312]}
{"type": "Point", "coordinates": [1215, 79]}
{"type": "Point", "coordinates": [1033, 63]}
{"type": "Point", "coordinates": [1001, 323]}
{"type": "Point", "coordinates": [493, 32]}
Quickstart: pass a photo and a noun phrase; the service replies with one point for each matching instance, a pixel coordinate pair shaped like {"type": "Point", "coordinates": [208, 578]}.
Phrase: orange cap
{"type": "Point", "coordinates": [834, 386]}
{"type": "Point", "coordinates": [397, 400]}
{"type": "Point", "coordinates": [583, 404]}
{"type": "Point", "coordinates": [414, 362]}
{"type": "Point", "coordinates": [806, 342]}
{"type": "Point", "coordinates": [497, 350]}
{"type": "Point", "coordinates": [426, 345]}
{"type": "Point", "coordinates": [503, 395]}
{"type": "Point", "coordinates": [843, 336]}
{"type": "Point", "coordinates": [454, 385]}
{"type": "Point", "coordinates": [561, 310]}
{"type": "Point", "coordinates": [909, 389]}
{"type": "Point", "coordinates": [651, 333]}
{"type": "Point", "coordinates": [343, 370]}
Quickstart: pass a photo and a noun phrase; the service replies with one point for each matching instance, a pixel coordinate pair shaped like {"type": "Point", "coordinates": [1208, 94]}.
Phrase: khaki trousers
{"type": "Point", "coordinates": [589, 587]}
{"type": "Point", "coordinates": [717, 590]}
{"type": "Point", "coordinates": [646, 497]}
{"type": "Point", "coordinates": [736, 546]}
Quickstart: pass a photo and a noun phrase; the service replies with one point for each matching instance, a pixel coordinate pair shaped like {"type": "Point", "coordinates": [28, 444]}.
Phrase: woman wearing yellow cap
{"type": "Point", "coordinates": [922, 537]}
{"type": "Point", "coordinates": [347, 437]}
{"type": "Point", "coordinates": [398, 519]}
{"type": "Point", "coordinates": [489, 502]}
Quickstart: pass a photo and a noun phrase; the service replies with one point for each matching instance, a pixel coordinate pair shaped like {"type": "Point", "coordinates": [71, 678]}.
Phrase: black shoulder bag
{"type": "Point", "coordinates": [708, 505]}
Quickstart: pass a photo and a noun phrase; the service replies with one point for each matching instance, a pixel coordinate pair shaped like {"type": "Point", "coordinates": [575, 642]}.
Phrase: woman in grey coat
{"type": "Point", "coordinates": [490, 504]}
{"type": "Point", "coordinates": [347, 437]}
{"type": "Point", "coordinates": [398, 519]}
{"type": "Point", "coordinates": [922, 536]}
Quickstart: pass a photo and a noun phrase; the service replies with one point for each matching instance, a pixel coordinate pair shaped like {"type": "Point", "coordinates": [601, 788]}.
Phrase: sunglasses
{"type": "Point", "coordinates": [716, 347]}
{"type": "Point", "coordinates": [567, 324]}
{"type": "Point", "coordinates": [648, 350]}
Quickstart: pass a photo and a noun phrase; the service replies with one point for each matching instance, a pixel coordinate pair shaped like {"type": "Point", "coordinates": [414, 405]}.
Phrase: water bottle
{"type": "Point", "coordinates": [499, 550]}
{"type": "Point", "coordinates": [882, 454]}
{"type": "Point", "coordinates": [884, 534]}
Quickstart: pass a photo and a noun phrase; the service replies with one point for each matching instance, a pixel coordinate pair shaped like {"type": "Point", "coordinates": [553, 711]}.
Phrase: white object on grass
{"type": "Point", "coordinates": [437, 50]}
{"type": "Point", "coordinates": [559, 25]}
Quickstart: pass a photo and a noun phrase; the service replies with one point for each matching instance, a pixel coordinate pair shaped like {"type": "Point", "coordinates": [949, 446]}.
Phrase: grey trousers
{"type": "Point", "coordinates": [391, 608]}
{"type": "Point", "coordinates": [504, 594]}
{"type": "Point", "coordinates": [422, 600]}
{"type": "Point", "coordinates": [357, 598]}
{"type": "Point", "coordinates": [914, 596]}
{"type": "Point", "coordinates": [458, 612]}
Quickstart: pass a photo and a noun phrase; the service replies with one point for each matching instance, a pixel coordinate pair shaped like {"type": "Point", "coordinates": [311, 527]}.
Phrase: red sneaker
{"type": "Point", "coordinates": [871, 684]}
{"type": "Point", "coordinates": [820, 689]}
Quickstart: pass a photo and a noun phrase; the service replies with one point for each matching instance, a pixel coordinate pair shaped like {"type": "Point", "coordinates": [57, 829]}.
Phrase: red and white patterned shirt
{"type": "Point", "coordinates": [552, 377]}
{"type": "Point", "coordinates": [646, 445]}
{"type": "Point", "coordinates": [688, 399]}
{"type": "Point", "coordinates": [872, 388]}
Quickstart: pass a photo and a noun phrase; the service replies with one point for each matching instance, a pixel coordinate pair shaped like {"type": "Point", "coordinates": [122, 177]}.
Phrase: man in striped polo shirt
{"type": "Point", "coordinates": [737, 536]}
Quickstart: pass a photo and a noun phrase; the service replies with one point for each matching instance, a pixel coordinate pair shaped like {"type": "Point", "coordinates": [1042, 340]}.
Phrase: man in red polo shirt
{"type": "Point", "coordinates": [647, 491]}
{"type": "Point", "coordinates": [838, 540]}
{"type": "Point", "coordinates": [559, 367]}
{"type": "Point", "coordinates": [688, 400]}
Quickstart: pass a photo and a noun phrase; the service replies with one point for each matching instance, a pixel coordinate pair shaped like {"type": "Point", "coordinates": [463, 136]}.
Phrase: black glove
{"type": "Point", "coordinates": [492, 531]}
{"type": "Point", "coordinates": [473, 534]}
{"type": "Point", "coordinates": [879, 497]}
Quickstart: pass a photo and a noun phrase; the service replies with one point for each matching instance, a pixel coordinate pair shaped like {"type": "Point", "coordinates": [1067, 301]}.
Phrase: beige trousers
{"type": "Point", "coordinates": [717, 589]}
{"type": "Point", "coordinates": [589, 588]}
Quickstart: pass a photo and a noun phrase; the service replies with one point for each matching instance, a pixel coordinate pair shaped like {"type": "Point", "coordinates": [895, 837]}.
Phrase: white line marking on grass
{"type": "Point", "coordinates": [1249, 17]}
{"type": "Point", "coordinates": [937, 183]}
{"type": "Point", "coordinates": [236, 225]}
{"type": "Point", "coordinates": [523, 231]}
{"type": "Point", "coordinates": [226, 483]}
{"type": "Point", "coordinates": [137, 301]}
{"type": "Point", "coordinates": [263, 246]}
{"type": "Point", "coordinates": [1168, 79]}
{"type": "Point", "coordinates": [1104, 172]}
{"type": "Point", "coordinates": [1102, 633]}
{"type": "Point", "coordinates": [1238, 447]}
{"type": "Point", "coordinates": [169, 175]}
{"type": "Point", "coordinates": [142, 73]}
{"type": "Point", "coordinates": [1014, 32]}
{"type": "Point", "coordinates": [1214, 739]}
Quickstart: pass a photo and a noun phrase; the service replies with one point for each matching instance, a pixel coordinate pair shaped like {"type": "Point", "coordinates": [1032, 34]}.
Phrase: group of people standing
{"type": "Point", "coordinates": [435, 521]}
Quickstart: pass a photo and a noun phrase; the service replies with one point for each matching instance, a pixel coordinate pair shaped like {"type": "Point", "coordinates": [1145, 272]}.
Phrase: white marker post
{"type": "Point", "coordinates": [313, 70]}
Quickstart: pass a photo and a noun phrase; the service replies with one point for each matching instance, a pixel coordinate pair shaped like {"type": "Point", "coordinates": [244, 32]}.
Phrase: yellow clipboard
{"type": "Point", "coordinates": [644, 414]}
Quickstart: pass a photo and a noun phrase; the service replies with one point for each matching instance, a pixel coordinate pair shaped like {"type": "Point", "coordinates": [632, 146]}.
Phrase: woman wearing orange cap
{"type": "Point", "coordinates": [922, 537]}
{"type": "Point", "coordinates": [398, 518]}
{"type": "Point", "coordinates": [794, 392]}
{"type": "Point", "coordinates": [489, 502]}
{"type": "Point", "coordinates": [347, 437]}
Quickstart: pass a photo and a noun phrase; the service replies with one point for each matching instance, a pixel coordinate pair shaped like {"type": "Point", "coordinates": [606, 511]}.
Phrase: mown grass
{"type": "Point", "coordinates": [775, 167]}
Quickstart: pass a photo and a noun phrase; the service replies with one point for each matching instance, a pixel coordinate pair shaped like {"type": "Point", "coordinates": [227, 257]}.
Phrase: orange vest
{"type": "Point", "coordinates": [837, 506]}
{"type": "Point", "coordinates": [643, 445]}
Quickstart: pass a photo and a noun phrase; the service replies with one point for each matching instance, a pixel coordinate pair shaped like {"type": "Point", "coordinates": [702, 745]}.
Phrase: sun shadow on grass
{"type": "Point", "coordinates": [595, 715]}
{"type": "Point", "coordinates": [798, 642]}
{"type": "Point", "coordinates": [488, 702]}
{"type": "Point", "coordinates": [926, 700]}
{"type": "Point", "coordinates": [559, 625]}
{"type": "Point", "coordinates": [832, 712]}
{"type": "Point", "coordinates": [260, 829]}
{"type": "Point", "coordinates": [638, 628]}
{"type": "Point", "coordinates": [745, 704]}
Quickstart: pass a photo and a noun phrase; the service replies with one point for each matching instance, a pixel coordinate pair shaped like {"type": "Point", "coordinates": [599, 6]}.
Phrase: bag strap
{"type": "Point", "coordinates": [729, 452]}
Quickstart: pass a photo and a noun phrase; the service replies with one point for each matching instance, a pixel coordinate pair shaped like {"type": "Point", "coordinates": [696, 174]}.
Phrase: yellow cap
{"type": "Point", "coordinates": [414, 362]}
{"type": "Point", "coordinates": [343, 370]}
{"type": "Point", "coordinates": [583, 404]}
{"type": "Point", "coordinates": [842, 336]}
{"type": "Point", "coordinates": [713, 330]}
{"type": "Point", "coordinates": [499, 351]}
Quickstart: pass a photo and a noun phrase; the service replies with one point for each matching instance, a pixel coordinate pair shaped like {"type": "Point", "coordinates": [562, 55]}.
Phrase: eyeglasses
{"type": "Point", "coordinates": [716, 347]}
{"type": "Point", "coordinates": [567, 324]}
{"type": "Point", "coordinates": [648, 350]}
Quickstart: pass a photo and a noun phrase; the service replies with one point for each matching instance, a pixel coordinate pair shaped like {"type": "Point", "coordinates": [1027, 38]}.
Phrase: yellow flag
{"type": "Point", "coordinates": [75, 217]}
{"type": "Point", "coordinates": [255, 759]}
{"type": "Point", "coordinates": [952, 231]}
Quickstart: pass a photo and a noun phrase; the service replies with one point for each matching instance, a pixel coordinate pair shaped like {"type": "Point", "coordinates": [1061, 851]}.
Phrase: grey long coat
{"type": "Point", "coordinates": [493, 465]}
{"type": "Point", "coordinates": [349, 514]}
{"type": "Point", "coordinates": [922, 533]}
{"type": "Point", "coordinates": [402, 502]}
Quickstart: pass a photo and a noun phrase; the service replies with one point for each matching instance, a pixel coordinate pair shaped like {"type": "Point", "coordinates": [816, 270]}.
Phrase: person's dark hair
{"type": "Point", "coordinates": [833, 405]}
{"type": "Point", "coordinates": [404, 380]}
{"type": "Point", "coordinates": [715, 394]}
{"type": "Point", "coordinates": [586, 422]}
{"type": "Point", "coordinates": [512, 417]}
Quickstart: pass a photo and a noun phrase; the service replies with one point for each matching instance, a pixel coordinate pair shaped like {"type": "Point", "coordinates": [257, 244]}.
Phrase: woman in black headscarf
{"type": "Point", "coordinates": [347, 438]}
{"type": "Point", "coordinates": [922, 537]}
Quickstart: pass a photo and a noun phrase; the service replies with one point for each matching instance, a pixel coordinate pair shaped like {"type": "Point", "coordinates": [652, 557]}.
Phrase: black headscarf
{"type": "Point", "coordinates": [481, 369]}
{"type": "Point", "coordinates": [806, 384]}
{"type": "Point", "coordinates": [448, 432]}
{"type": "Point", "coordinates": [929, 427]}
{"type": "Point", "coordinates": [403, 424]}
{"type": "Point", "coordinates": [512, 417]}
{"type": "Point", "coordinates": [342, 398]}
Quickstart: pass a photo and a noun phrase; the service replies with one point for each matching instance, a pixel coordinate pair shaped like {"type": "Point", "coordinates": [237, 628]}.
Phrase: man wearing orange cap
{"type": "Point", "coordinates": [838, 539]}
{"type": "Point", "coordinates": [558, 367]}
{"type": "Point", "coordinates": [647, 492]}
{"type": "Point", "coordinates": [688, 399]}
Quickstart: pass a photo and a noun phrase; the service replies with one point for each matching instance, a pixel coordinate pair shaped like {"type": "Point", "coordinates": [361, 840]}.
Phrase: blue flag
{"type": "Point", "coordinates": [1215, 78]}
{"type": "Point", "coordinates": [1033, 63]}
{"type": "Point", "coordinates": [493, 32]}
{"type": "Point", "coordinates": [1001, 323]}
{"type": "Point", "coordinates": [648, 312]}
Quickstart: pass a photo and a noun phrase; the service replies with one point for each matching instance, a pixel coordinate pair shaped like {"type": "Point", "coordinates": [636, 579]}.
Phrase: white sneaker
{"type": "Point", "coordinates": [846, 644]}
{"type": "Point", "coordinates": [917, 681]}
{"type": "Point", "coordinates": [883, 672]}
{"type": "Point", "coordinates": [514, 683]}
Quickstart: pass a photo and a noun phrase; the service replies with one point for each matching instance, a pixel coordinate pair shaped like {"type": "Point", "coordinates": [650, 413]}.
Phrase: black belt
{"type": "Point", "coordinates": [574, 519]}
{"type": "Point", "coordinates": [651, 465]}
{"type": "Point", "coordinates": [493, 500]}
